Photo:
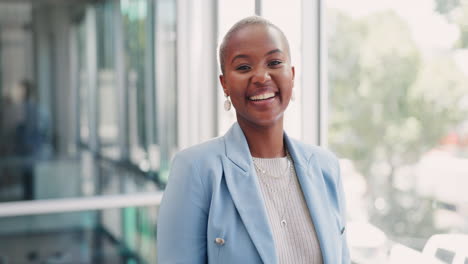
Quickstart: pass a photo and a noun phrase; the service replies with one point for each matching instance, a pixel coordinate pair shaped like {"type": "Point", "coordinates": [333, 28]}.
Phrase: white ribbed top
{"type": "Point", "coordinates": [296, 242]}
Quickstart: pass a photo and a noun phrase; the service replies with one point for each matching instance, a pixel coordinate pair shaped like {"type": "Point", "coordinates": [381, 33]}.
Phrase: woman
{"type": "Point", "coordinates": [254, 195]}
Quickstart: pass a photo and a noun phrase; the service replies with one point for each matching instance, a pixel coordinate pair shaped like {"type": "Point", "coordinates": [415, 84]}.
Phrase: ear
{"type": "Point", "coordinates": [293, 70]}
{"type": "Point", "coordinates": [222, 80]}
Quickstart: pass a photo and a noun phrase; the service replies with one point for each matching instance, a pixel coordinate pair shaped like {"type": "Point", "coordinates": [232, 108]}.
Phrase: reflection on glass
{"type": "Point", "coordinates": [398, 119]}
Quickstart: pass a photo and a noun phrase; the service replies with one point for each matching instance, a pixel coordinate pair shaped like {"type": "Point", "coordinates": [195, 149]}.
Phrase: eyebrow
{"type": "Point", "coordinates": [246, 56]}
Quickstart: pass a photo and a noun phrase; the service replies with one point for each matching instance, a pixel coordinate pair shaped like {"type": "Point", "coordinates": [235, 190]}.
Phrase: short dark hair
{"type": "Point", "coordinates": [248, 21]}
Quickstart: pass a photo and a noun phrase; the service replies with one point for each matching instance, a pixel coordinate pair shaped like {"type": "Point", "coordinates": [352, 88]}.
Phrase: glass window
{"type": "Point", "coordinates": [165, 22]}
{"type": "Point", "coordinates": [114, 235]}
{"type": "Point", "coordinates": [134, 15]}
{"type": "Point", "coordinates": [398, 118]}
{"type": "Point", "coordinates": [83, 83]}
{"type": "Point", "coordinates": [25, 118]}
{"type": "Point", "coordinates": [107, 90]}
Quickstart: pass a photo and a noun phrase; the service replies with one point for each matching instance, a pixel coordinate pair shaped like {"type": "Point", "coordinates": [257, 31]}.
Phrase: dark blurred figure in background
{"type": "Point", "coordinates": [25, 130]}
{"type": "Point", "coordinates": [32, 138]}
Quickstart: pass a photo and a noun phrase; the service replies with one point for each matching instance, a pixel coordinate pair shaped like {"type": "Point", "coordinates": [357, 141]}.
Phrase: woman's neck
{"type": "Point", "coordinates": [265, 141]}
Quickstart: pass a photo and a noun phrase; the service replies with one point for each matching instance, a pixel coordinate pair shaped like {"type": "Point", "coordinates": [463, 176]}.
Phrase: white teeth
{"type": "Point", "coordinates": [262, 96]}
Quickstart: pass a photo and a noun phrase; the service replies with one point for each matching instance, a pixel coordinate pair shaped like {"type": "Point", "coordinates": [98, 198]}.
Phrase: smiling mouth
{"type": "Point", "coordinates": [261, 97]}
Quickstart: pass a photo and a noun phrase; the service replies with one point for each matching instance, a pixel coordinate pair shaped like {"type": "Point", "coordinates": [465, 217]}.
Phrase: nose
{"type": "Point", "coordinates": [261, 76]}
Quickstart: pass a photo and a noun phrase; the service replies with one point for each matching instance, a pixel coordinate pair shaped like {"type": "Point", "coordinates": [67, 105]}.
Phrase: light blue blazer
{"type": "Point", "coordinates": [213, 192]}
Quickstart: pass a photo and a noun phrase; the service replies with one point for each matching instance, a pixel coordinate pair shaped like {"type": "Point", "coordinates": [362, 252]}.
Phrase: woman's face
{"type": "Point", "coordinates": [258, 75]}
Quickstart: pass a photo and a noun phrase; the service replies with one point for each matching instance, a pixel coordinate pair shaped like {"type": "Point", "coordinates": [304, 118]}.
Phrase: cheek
{"type": "Point", "coordinates": [286, 85]}
{"type": "Point", "coordinates": [237, 85]}
{"type": "Point", "coordinates": [237, 99]}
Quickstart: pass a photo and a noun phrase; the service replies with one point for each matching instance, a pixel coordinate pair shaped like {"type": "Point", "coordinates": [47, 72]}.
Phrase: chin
{"type": "Point", "coordinates": [262, 120]}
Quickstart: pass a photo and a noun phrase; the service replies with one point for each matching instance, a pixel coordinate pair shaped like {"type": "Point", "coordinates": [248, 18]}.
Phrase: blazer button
{"type": "Point", "coordinates": [219, 241]}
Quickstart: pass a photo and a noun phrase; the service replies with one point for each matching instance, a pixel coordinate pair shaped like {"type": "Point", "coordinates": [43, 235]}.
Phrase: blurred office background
{"type": "Point", "coordinates": [97, 96]}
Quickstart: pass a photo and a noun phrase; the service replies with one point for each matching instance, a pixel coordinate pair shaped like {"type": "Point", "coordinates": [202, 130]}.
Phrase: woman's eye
{"type": "Point", "coordinates": [274, 63]}
{"type": "Point", "coordinates": [243, 68]}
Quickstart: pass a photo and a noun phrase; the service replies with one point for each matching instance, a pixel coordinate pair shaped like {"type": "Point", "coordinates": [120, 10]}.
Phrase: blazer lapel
{"type": "Point", "coordinates": [243, 186]}
{"type": "Point", "coordinates": [313, 186]}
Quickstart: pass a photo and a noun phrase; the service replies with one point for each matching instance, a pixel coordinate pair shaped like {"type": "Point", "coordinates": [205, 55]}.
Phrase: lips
{"type": "Point", "coordinates": [263, 96]}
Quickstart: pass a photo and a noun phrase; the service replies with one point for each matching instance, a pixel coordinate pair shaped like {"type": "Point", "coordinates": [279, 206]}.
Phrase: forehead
{"type": "Point", "coordinates": [255, 40]}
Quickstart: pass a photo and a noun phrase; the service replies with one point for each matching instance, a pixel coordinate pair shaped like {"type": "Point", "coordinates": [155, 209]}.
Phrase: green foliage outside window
{"type": "Point", "coordinates": [389, 104]}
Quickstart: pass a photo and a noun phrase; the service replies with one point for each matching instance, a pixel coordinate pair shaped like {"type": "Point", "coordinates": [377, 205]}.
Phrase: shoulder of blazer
{"type": "Point", "coordinates": [325, 157]}
{"type": "Point", "coordinates": [203, 152]}
{"type": "Point", "coordinates": [327, 161]}
{"type": "Point", "coordinates": [192, 169]}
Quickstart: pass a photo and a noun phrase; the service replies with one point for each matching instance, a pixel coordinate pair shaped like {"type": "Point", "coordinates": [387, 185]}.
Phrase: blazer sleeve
{"type": "Point", "coordinates": [182, 219]}
{"type": "Point", "coordinates": [342, 205]}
